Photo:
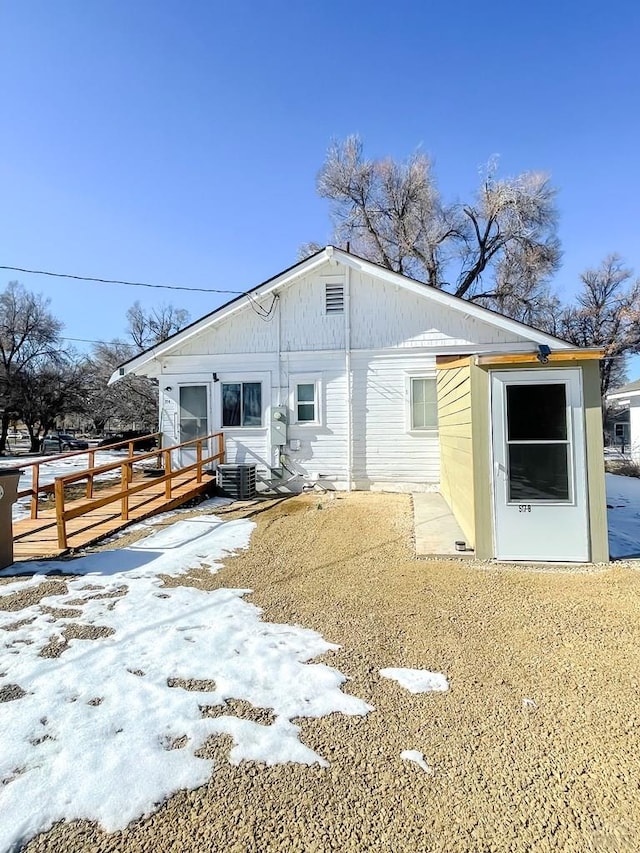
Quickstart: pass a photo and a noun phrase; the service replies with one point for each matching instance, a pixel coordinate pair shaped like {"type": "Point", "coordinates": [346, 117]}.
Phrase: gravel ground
{"type": "Point", "coordinates": [559, 771]}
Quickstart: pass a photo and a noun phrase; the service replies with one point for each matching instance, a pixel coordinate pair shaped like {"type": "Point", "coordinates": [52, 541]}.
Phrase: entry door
{"type": "Point", "coordinates": [194, 419]}
{"type": "Point", "coordinates": [539, 479]}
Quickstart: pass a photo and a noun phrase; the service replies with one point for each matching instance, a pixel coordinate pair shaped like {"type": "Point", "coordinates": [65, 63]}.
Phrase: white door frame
{"type": "Point", "coordinates": [187, 455]}
{"type": "Point", "coordinates": [540, 529]}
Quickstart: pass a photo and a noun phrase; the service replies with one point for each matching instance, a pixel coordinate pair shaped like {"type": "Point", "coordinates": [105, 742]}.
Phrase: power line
{"type": "Point", "coordinates": [107, 343]}
{"type": "Point", "coordinates": [119, 281]}
{"type": "Point", "coordinates": [259, 310]}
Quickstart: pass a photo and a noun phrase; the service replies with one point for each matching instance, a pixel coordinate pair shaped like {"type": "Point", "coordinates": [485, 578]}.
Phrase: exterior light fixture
{"type": "Point", "coordinates": [543, 354]}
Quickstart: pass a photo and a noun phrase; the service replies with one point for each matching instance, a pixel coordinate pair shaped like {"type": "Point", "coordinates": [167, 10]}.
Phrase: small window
{"type": "Point", "coordinates": [306, 402]}
{"type": "Point", "coordinates": [241, 404]}
{"type": "Point", "coordinates": [424, 404]}
{"type": "Point", "coordinates": [334, 297]}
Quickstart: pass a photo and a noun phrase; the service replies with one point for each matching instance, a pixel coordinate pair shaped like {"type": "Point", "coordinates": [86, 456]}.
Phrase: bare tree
{"type": "Point", "coordinates": [49, 389]}
{"type": "Point", "coordinates": [28, 332]}
{"type": "Point", "coordinates": [133, 399]}
{"type": "Point", "coordinates": [150, 327]}
{"type": "Point", "coordinates": [500, 248]}
{"type": "Point", "coordinates": [606, 314]}
{"type": "Point", "coordinates": [308, 249]}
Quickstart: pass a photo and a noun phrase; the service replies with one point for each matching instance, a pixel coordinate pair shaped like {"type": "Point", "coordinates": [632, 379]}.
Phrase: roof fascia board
{"type": "Point", "coordinates": [220, 314]}
{"type": "Point", "coordinates": [622, 395]}
{"type": "Point", "coordinates": [441, 297]}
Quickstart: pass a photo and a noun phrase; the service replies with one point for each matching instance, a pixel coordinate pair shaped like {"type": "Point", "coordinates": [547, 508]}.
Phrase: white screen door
{"type": "Point", "coordinates": [539, 468]}
{"type": "Point", "coordinates": [194, 419]}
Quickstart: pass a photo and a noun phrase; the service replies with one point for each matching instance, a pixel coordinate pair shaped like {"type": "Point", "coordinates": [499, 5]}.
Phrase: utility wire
{"type": "Point", "coordinates": [259, 310]}
{"type": "Point", "coordinates": [119, 281]}
{"type": "Point", "coordinates": [107, 343]}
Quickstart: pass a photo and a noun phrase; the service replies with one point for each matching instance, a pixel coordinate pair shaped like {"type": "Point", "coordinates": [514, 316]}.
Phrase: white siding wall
{"type": "Point", "coordinates": [302, 322]}
{"type": "Point", "coordinates": [323, 448]}
{"type": "Point", "coordinates": [382, 316]}
{"type": "Point", "coordinates": [394, 333]}
{"type": "Point", "coordinates": [385, 449]}
{"type": "Point", "coordinates": [385, 315]}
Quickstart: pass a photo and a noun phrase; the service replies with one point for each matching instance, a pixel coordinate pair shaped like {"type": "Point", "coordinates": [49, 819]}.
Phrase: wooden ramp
{"type": "Point", "coordinates": [67, 525]}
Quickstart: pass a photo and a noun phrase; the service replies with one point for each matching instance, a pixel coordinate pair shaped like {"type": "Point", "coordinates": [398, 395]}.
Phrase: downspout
{"type": "Point", "coordinates": [281, 399]}
{"type": "Point", "coordinates": [347, 367]}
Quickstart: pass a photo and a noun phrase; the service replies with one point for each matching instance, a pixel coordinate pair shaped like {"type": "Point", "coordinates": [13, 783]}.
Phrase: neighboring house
{"type": "Point", "coordinates": [361, 378]}
{"type": "Point", "coordinates": [617, 429]}
{"type": "Point", "coordinates": [628, 396]}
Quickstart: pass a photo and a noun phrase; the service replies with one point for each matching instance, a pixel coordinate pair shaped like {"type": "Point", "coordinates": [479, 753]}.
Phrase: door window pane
{"type": "Point", "coordinates": [537, 412]}
{"type": "Point", "coordinates": [538, 472]}
{"type": "Point", "coordinates": [193, 412]}
{"type": "Point", "coordinates": [424, 405]}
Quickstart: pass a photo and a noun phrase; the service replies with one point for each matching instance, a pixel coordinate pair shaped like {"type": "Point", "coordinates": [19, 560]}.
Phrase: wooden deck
{"type": "Point", "coordinates": [38, 537]}
{"type": "Point", "coordinates": [70, 522]}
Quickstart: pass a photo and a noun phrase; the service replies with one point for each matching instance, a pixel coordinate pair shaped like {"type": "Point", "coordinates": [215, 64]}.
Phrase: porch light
{"type": "Point", "coordinates": [544, 352]}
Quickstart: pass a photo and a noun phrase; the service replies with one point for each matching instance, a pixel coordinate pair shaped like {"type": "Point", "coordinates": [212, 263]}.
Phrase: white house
{"type": "Point", "coordinates": [361, 378]}
{"type": "Point", "coordinates": [628, 396]}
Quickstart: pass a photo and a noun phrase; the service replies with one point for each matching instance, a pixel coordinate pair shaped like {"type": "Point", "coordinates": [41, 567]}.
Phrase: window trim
{"type": "Point", "coordinates": [245, 380]}
{"type": "Point", "coordinates": [306, 379]}
{"type": "Point", "coordinates": [410, 428]}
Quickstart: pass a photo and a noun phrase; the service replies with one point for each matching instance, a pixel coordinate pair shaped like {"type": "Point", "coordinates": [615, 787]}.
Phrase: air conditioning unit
{"type": "Point", "coordinates": [237, 481]}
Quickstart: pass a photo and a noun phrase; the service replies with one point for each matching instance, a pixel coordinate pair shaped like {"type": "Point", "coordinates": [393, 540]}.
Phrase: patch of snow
{"type": "Point", "coordinates": [111, 727]}
{"type": "Point", "coordinates": [417, 680]}
{"type": "Point", "coordinates": [623, 514]}
{"type": "Point", "coordinates": [417, 758]}
{"type": "Point", "coordinates": [155, 520]}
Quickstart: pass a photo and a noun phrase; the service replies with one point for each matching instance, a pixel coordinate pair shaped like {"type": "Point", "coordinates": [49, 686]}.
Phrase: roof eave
{"type": "Point", "coordinates": [449, 300]}
{"type": "Point", "coordinates": [135, 364]}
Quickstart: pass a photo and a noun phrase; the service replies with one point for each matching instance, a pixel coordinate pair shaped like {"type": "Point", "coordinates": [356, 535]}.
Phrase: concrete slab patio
{"type": "Point", "coordinates": [436, 530]}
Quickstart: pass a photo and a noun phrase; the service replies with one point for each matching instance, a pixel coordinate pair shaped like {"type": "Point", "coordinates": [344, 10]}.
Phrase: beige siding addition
{"type": "Point", "coordinates": [456, 444]}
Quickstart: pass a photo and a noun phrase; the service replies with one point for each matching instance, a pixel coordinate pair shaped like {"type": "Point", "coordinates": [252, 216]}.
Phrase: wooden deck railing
{"type": "Point", "coordinates": [128, 486]}
{"type": "Point", "coordinates": [47, 488]}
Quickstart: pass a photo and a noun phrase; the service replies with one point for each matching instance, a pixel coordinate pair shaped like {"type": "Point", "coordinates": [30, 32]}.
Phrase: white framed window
{"type": "Point", "coordinates": [305, 400]}
{"type": "Point", "coordinates": [241, 404]}
{"type": "Point", "coordinates": [423, 403]}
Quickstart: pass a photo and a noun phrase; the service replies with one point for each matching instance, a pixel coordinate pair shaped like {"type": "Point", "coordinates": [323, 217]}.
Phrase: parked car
{"type": "Point", "coordinates": [141, 440]}
{"type": "Point", "coordinates": [62, 441]}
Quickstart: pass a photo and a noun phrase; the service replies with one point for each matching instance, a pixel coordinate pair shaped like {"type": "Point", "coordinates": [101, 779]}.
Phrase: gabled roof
{"type": "Point", "coordinates": [329, 253]}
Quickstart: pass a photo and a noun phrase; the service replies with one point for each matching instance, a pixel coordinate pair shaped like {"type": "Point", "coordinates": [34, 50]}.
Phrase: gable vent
{"type": "Point", "coordinates": [334, 298]}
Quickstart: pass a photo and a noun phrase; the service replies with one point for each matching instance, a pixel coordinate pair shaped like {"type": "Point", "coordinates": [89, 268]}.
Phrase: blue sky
{"type": "Point", "coordinates": [178, 142]}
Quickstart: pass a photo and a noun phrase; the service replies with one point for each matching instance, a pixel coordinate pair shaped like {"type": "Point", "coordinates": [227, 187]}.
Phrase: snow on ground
{"type": "Point", "coordinates": [623, 512]}
{"type": "Point", "coordinates": [110, 728]}
{"type": "Point", "coordinates": [417, 758]}
{"type": "Point", "coordinates": [417, 680]}
{"type": "Point", "coordinates": [53, 467]}
{"type": "Point", "coordinates": [155, 520]}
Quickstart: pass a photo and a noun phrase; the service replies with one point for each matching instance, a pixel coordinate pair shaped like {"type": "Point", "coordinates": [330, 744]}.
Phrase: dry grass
{"type": "Point", "coordinates": [624, 467]}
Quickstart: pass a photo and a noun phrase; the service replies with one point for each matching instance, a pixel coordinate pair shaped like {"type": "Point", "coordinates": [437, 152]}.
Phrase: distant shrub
{"type": "Point", "coordinates": [624, 467]}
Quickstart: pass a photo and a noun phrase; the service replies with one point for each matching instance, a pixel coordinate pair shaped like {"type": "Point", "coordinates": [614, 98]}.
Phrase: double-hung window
{"type": "Point", "coordinates": [241, 404]}
{"type": "Point", "coordinates": [423, 403]}
{"type": "Point", "coordinates": [306, 402]}
{"type": "Point", "coordinates": [304, 399]}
